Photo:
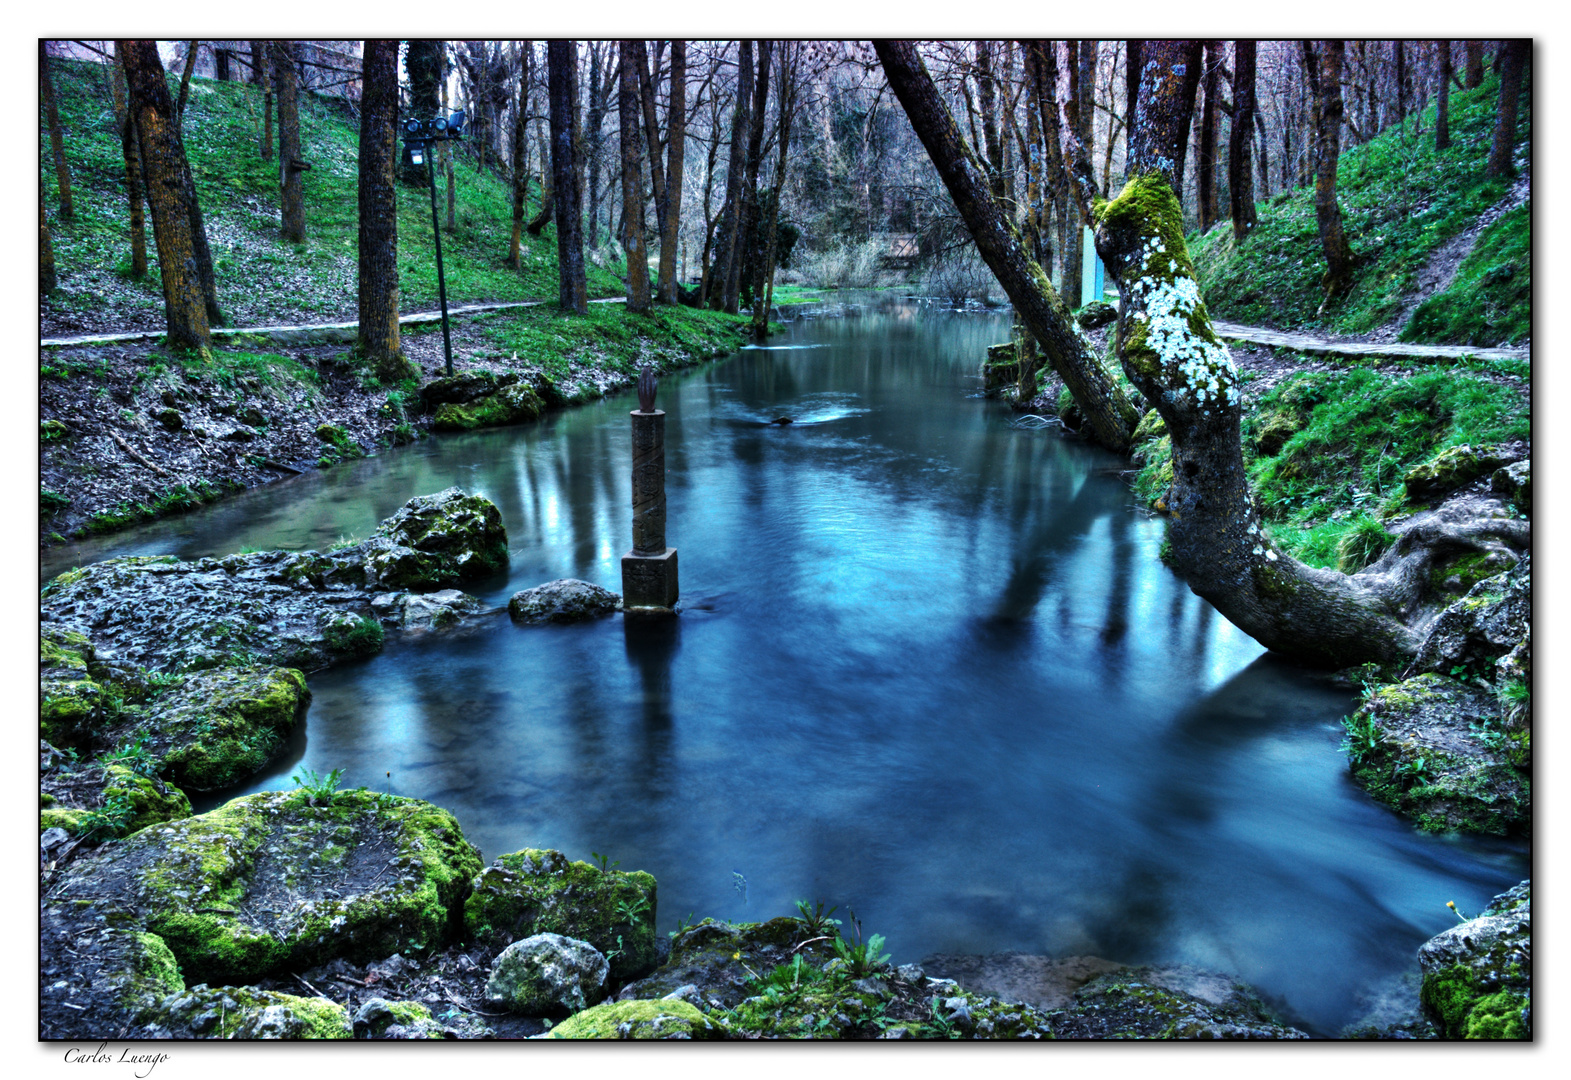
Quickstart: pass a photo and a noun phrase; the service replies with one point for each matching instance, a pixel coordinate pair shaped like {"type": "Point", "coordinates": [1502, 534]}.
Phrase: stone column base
{"type": "Point", "coordinates": [649, 581]}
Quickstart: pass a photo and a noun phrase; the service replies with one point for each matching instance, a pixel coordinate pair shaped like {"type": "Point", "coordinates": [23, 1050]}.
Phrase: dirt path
{"type": "Point", "coordinates": [1315, 345]}
{"type": "Point", "coordinates": [235, 331]}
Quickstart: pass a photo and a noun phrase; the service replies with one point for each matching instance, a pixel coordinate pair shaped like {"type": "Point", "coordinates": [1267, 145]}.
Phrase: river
{"type": "Point", "coordinates": [928, 668]}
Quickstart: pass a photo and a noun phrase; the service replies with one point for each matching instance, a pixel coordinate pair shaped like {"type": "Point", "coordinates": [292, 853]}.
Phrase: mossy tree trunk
{"type": "Point", "coordinates": [46, 88]}
{"type": "Point", "coordinates": [262, 59]}
{"type": "Point", "coordinates": [1514, 54]}
{"type": "Point", "coordinates": [676, 160]}
{"type": "Point", "coordinates": [166, 170]}
{"type": "Point", "coordinates": [1443, 97]}
{"type": "Point", "coordinates": [1240, 174]}
{"type": "Point", "coordinates": [562, 71]}
{"type": "Point", "coordinates": [291, 166]}
{"type": "Point", "coordinates": [747, 272]}
{"type": "Point", "coordinates": [1216, 537]}
{"type": "Point", "coordinates": [628, 60]}
{"type": "Point", "coordinates": [1109, 415]}
{"type": "Point", "coordinates": [520, 156]}
{"type": "Point", "coordinates": [1340, 260]}
{"type": "Point", "coordinates": [125, 120]}
{"type": "Point", "coordinates": [379, 341]}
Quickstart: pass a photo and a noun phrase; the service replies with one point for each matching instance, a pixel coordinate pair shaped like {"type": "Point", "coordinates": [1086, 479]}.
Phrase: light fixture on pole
{"type": "Point", "coordinates": [419, 134]}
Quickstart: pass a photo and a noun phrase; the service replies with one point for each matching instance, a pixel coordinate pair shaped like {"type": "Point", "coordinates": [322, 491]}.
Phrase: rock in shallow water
{"type": "Point", "coordinates": [564, 601]}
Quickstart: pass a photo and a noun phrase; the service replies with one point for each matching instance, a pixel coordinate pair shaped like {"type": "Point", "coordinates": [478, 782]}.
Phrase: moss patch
{"type": "Point", "coordinates": [640, 1020]}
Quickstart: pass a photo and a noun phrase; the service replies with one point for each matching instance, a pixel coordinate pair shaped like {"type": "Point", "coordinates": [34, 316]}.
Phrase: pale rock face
{"type": "Point", "coordinates": [547, 975]}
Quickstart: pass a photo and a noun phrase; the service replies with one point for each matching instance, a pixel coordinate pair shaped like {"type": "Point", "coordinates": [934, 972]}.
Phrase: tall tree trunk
{"type": "Point", "coordinates": [562, 73]}
{"type": "Point", "coordinates": [1265, 162]}
{"type": "Point", "coordinates": [632, 179]}
{"type": "Point", "coordinates": [547, 209]}
{"type": "Point", "coordinates": [676, 157]}
{"type": "Point", "coordinates": [262, 57]}
{"type": "Point", "coordinates": [130, 149]}
{"type": "Point", "coordinates": [1076, 115]}
{"type": "Point", "coordinates": [1044, 91]}
{"type": "Point", "coordinates": [202, 252]}
{"type": "Point", "coordinates": [379, 341]}
{"type": "Point", "coordinates": [785, 95]}
{"type": "Point", "coordinates": [647, 80]}
{"type": "Point", "coordinates": [1216, 539]}
{"type": "Point", "coordinates": [1443, 98]}
{"type": "Point", "coordinates": [1240, 177]}
{"type": "Point", "coordinates": [1340, 260]}
{"type": "Point", "coordinates": [1473, 69]}
{"type": "Point", "coordinates": [56, 135]}
{"type": "Point", "coordinates": [987, 95]}
{"type": "Point", "coordinates": [731, 226]}
{"type": "Point", "coordinates": [1205, 179]}
{"type": "Point", "coordinates": [47, 282]}
{"type": "Point", "coordinates": [750, 257]}
{"type": "Point", "coordinates": [1399, 59]}
{"type": "Point", "coordinates": [1108, 413]}
{"type": "Point", "coordinates": [1132, 67]}
{"type": "Point", "coordinates": [594, 121]}
{"type": "Point", "coordinates": [1035, 216]}
{"type": "Point", "coordinates": [184, 308]}
{"type": "Point", "coordinates": [520, 157]}
{"type": "Point", "coordinates": [1514, 55]}
{"type": "Point", "coordinates": [185, 80]}
{"type": "Point", "coordinates": [706, 275]}
{"type": "Point", "coordinates": [290, 165]}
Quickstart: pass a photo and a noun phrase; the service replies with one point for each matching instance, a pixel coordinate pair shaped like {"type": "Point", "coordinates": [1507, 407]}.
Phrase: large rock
{"type": "Point", "coordinates": [71, 700]}
{"type": "Point", "coordinates": [151, 800]}
{"type": "Point", "coordinates": [1515, 482]}
{"type": "Point", "coordinates": [512, 404]}
{"type": "Point", "coordinates": [269, 882]}
{"type": "Point", "coordinates": [220, 726]}
{"type": "Point", "coordinates": [1434, 749]}
{"type": "Point", "coordinates": [1478, 975]}
{"type": "Point", "coordinates": [432, 542]}
{"type": "Point", "coordinates": [664, 1019]}
{"type": "Point", "coordinates": [547, 975]}
{"type": "Point", "coordinates": [564, 601]}
{"type": "Point", "coordinates": [1452, 468]}
{"type": "Point", "coordinates": [425, 611]}
{"type": "Point", "coordinates": [1477, 631]}
{"type": "Point", "coordinates": [1168, 1003]}
{"type": "Point", "coordinates": [464, 386]}
{"type": "Point", "coordinates": [243, 1012]}
{"type": "Point", "coordinates": [1043, 981]}
{"type": "Point", "coordinates": [533, 891]}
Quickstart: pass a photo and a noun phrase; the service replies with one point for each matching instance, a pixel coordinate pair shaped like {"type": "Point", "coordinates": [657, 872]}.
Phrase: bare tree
{"type": "Point", "coordinates": [1443, 98]}
{"type": "Point", "coordinates": [47, 281]}
{"type": "Point", "coordinates": [731, 226]}
{"type": "Point", "coordinates": [130, 150]}
{"type": "Point", "coordinates": [520, 156]}
{"type": "Point", "coordinates": [1340, 260]}
{"type": "Point", "coordinates": [676, 136]}
{"type": "Point", "coordinates": [291, 184]}
{"type": "Point", "coordinates": [56, 136]}
{"type": "Point", "coordinates": [632, 179]}
{"type": "Point", "coordinates": [562, 72]}
{"type": "Point", "coordinates": [1240, 177]}
{"type": "Point", "coordinates": [1514, 56]}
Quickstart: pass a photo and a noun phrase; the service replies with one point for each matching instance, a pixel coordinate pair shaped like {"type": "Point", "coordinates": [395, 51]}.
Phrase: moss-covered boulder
{"type": "Point", "coordinates": [1477, 631]}
{"type": "Point", "coordinates": [547, 975]}
{"type": "Point", "coordinates": [243, 1012]}
{"type": "Point", "coordinates": [269, 882]}
{"type": "Point", "coordinates": [1168, 1003]}
{"type": "Point", "coordinates": [432, 542]}
{"type": "Point", "coordinates": [463, 386]}
{"type": "Point", "coordinates": [70, 699]}
{"type": "Point", "coordinates": [1478, 975]}
{"type": "Point", "coordinates": [1096, 315]}
{"type": "Point", "coordinates": [1271, 430]}
{"type": "Point", "coordinates": [1436, 749]}
{"type": "Point", "coordinates": [670, 1019]}
{"type": "Point", "coordinates": [151, 799]}
{"type": "Point", "coordinates": [378, 1018]}
{"type": "Point", "coordinates": [221, 726]}
{"type": "Point", "coordinates": [541, 891]}
{"type": "Point", "coordinates": [514, 404]}
{"type": "Point", "coordinates": [1451, 469]}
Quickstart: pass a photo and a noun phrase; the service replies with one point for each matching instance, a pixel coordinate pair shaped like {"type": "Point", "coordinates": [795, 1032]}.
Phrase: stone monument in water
{"type": "Point", "coordinates": [649, 570]}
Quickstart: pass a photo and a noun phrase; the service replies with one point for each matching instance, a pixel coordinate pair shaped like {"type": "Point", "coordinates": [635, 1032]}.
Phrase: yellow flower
{"type": "Point", "coordinates": [738, 955]}
{"type": "Point", "coordinates": [1451, 904]}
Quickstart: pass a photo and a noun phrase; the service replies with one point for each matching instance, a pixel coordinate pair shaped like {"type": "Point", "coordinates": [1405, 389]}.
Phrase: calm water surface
{"type": "Point", "coordinates": [928, 668]}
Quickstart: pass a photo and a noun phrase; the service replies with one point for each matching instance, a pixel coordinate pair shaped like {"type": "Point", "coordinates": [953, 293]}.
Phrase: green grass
{"type": "Point", "coordinates": [238, 192]}
{"type": "Point", "coordinates": [1328, 489]}
{"type": "Point", "coordinates": [1400, 199]}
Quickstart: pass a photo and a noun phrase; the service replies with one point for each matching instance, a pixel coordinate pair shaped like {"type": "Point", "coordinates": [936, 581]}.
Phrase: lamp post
{"type": "Point", "coordinates": [419, 134]}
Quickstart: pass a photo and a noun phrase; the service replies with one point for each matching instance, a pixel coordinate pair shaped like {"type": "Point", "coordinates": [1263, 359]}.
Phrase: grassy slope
{"type": "Point", "coordinates": [1400, 201]}
{"type": "Point", "coordinates": [261, 278]}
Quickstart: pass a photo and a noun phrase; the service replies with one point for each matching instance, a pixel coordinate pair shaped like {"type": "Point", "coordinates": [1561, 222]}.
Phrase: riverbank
{"type": "Point", "coordinates": [131, 432]}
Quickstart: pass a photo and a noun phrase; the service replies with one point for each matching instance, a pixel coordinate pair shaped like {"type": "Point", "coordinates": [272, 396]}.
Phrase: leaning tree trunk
{"type": "Point", "coordinates": [56, 135]}
{"type": "Point", "coordinates": [184, 307]}
{"type": "Point", "coordinates": [1109, 415]}
{"type": "Point", "coordinates": [1240, 175]}
{"type": "Point", "coordinates": [1216, 538]}
{"type": "Point", "coordinates": [379, 341]}
{"type": "Point", "coordinates": [47, 282]}
{"type": "Point", "coordinates": [632, 179]}
{"type": "Point", "coordinates": [1340, 260]}
{"type": "Point", "coordinates": [291, 184]}
{"type": "Point", "coordinates": [561, 69]}
{"type": "Point", "coordinates": [1513, 59]}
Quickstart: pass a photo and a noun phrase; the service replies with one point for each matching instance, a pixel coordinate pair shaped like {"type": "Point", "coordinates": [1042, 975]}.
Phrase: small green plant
{"type": "Point", "coordinates": [940, 1027]}
{"type": "Point", "coordinates": [318, 790]}
{"type": "Point", "coordinates": [51, 503]}
{"type": "Point", "coordinates": [682, 926]}
{"type": "Point", "coordinates": [1364, 541]}
{"type": "Point", "coordinates": [109, 821]}
{"type": "Point", "coordinates": [1456, 911]}
{"type": "Point", "coordinates": [632, 913]}
{"type": "Point", "coordinates": [601, 861]}
{"type": "Point", "coordinates": [1415, 771]}
{"type": "Point", "coordinates": [816, 922]}
{"type": "Point", "coordinates": [1516, 699]}
{"type": "Point", "coordinates": [1362, 738]}
{"type": "Point", "coordinates": [134, 755]}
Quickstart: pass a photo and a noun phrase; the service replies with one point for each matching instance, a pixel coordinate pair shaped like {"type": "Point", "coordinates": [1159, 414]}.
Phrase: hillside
{"type": "Point", "coordinates": [1416, 217]}
{"type": "Point", "coordinates": [263, 280]}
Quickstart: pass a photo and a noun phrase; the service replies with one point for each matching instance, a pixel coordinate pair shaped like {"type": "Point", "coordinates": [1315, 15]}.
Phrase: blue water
{"type": "Point", "coordinates": [928, 667]}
